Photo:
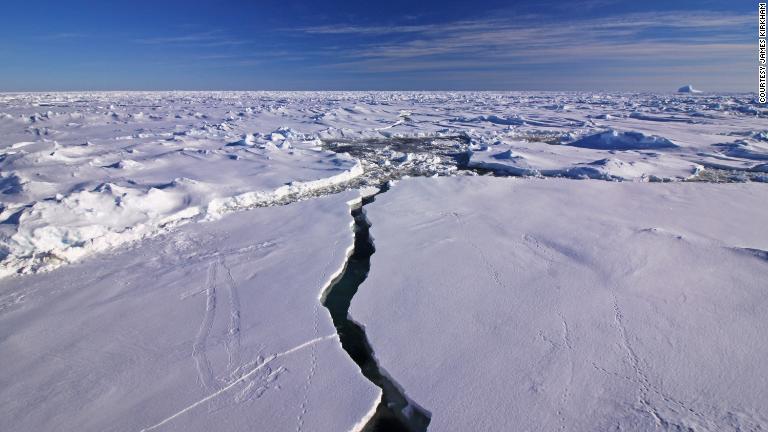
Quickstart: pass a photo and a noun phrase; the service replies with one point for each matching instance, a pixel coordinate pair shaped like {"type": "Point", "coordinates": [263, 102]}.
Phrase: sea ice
{"type": "Point", "coordinates": [214, 326]}
{"type": "Point", "coordinates": [554, 304]}
{"type": "Point", "coordinates": [175, 302]}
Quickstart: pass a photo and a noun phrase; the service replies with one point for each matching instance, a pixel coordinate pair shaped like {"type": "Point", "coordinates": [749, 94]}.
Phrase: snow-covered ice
{"type": "Point", "coordinates": [163, 257]}
{"type": "Point", "coordinates": [94, 177]}
{"type": "Point", "coordinates": [562, 305]}
{"type": "Point", "coordinates": [214, 326]}
{"type": "Point", "coordinates": [619, 156]}
{"type": "Point", "coordinates": [83, 172]}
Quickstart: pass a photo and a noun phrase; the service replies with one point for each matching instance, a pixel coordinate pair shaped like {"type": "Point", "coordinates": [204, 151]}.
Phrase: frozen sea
{"type": "Point", "coordinates": [329, 261]}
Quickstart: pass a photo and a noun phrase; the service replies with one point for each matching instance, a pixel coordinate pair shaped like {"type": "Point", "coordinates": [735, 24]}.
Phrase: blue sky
{"type": "Point", "coordinates": [390, 45]}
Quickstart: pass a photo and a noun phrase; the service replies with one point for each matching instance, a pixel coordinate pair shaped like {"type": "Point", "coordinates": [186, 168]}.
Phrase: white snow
{"type": "Point", "coordinates": [554, 304]}
{"type": "Point", "coordinates": [524, 158]}
{"type": "Point", "coordinates": [613, 140]}
{"type": "Point", "coordinates": [214, 326]}
{"type": "Point", "coordinates": [163, 254]}
{"type": "Point", "coordinates": [84, 189]}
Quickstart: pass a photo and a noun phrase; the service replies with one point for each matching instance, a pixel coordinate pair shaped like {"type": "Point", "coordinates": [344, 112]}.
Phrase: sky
{"type": "Point", "coordinates": [590, 45]}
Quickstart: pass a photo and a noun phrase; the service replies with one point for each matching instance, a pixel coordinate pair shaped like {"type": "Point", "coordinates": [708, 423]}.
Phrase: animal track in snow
{"type": "Point", "coordinates": [218, 270]}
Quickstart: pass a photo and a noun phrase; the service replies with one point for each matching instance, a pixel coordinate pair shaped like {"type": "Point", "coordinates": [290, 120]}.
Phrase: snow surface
{"type": "Point", "coordinates": [163, 254]}
{"type": "Point", "coordinates": [93, 177]}
{"type": "Point", "coordinates": [562, 305]}
{"type": "Point", "coordinates": [84, 172]}
{"type": "Point", "coordinates": [215, 326]}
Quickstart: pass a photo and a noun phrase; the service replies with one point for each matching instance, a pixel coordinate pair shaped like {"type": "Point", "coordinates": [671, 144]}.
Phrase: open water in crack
{"type": "Point", "coordinates": [395, 412]}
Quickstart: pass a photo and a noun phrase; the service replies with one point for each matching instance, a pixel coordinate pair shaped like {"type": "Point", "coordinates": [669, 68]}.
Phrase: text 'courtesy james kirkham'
{"type": "Point", "coordinates": [761, 52]}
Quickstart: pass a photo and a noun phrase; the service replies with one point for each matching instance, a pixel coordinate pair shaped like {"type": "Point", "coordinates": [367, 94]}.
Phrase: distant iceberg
{"type": "Point", "coordinates": [688, 89]}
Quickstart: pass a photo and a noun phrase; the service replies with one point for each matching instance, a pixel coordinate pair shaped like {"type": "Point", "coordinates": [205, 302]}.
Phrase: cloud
{"type": "Point", "coordinates": [608, 51]}
{"type": "Point", "coordinates": [210, 39]}
{"type": "Point", "coordinates": [669, 35]}
{"type": "Point", "coordinates": [64, 35]}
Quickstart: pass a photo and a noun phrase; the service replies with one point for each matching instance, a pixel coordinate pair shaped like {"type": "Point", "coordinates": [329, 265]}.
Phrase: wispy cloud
{"type": "Point", "coordinates": [209, 39]}
{"type": "Point", "coordinates": [425, 30]}
{"type": "Point", "coordinates": [64, 35]}
{"type": "Point", "coordinates": [669, 36]}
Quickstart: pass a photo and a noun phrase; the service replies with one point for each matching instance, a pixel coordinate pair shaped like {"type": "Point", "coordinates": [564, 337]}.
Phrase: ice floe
{"type": "Point", "coordinates": [556, 304]}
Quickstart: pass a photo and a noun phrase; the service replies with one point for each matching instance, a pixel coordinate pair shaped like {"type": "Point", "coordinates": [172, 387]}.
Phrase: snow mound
{"type": "Point", "coordinates": [64, 201]}
{"type": "Point", "coordinates": [56, 232]}
{"type": "Point", "coordinates": [514, 120]}
{"type": "Point", "coordinates": [744, 150]}
{"type": "Point", "coordinates": [505, 155]}
{"type": "Point", "coordinates": [614, 140]}
{"type": "Point", "coordinates": [518, 158]}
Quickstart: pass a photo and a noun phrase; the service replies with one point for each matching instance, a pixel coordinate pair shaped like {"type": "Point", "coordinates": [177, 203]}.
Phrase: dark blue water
{"type": "Point", "coordinates": [389, 415]}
